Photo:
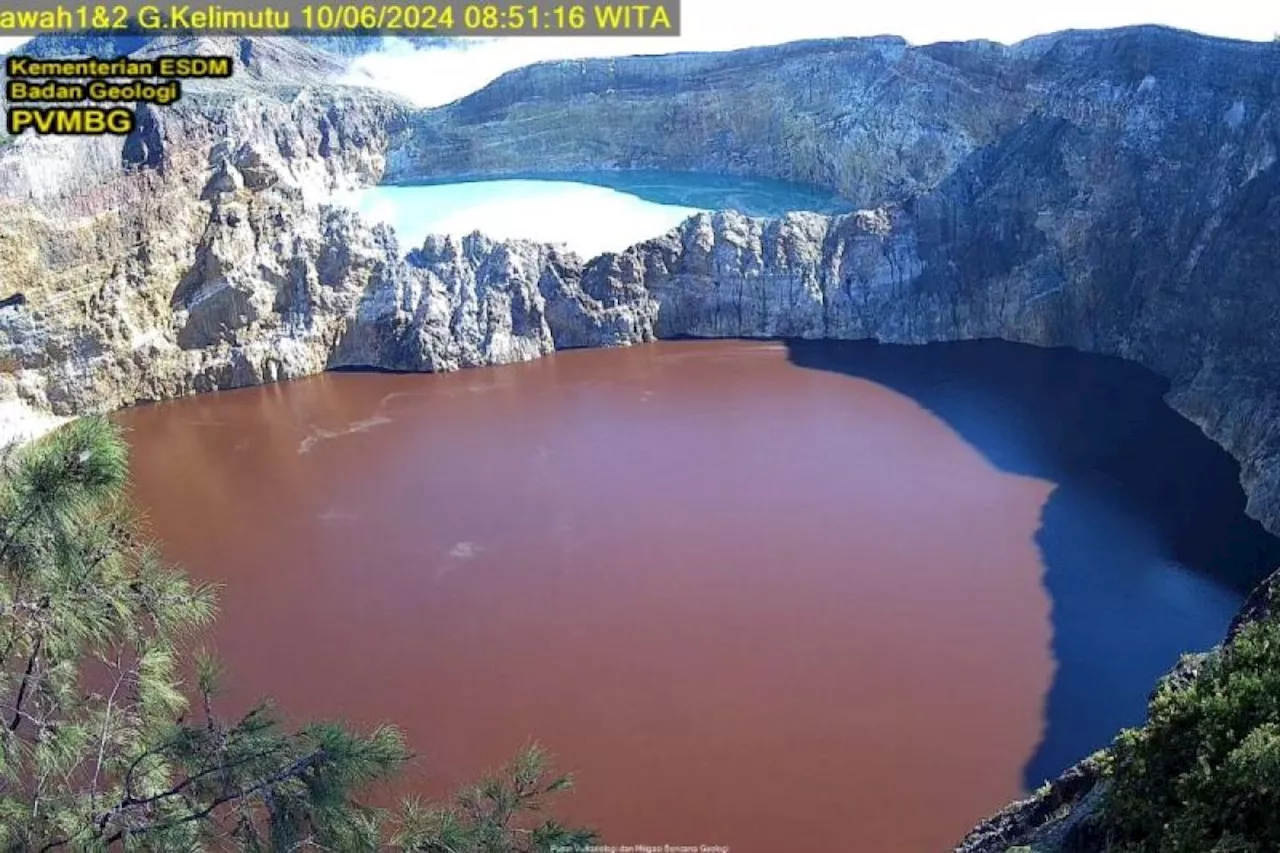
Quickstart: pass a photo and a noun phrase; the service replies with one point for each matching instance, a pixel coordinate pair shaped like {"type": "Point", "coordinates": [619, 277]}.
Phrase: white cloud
{"type": "Point", "coordinates": [10, 43]}
{"type": "Point", "coordinates": [435, 77]}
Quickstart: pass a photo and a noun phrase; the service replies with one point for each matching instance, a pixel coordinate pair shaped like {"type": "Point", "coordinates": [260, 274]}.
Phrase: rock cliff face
{"type": "Point", "coordinates": [1112, 191]}
{"type": "Point", "coordinates": [874, 119]}
{"type": "Point", "coordinates": [1115, 191]}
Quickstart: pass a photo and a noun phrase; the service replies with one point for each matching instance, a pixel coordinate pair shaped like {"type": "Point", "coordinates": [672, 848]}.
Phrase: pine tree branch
{"type": "Point", "coordinates": [76, 588]}
{"type": "Point", "coordinates": [133, 766]}
{"type": "Point", "coordinates": [79, 585]}
{"type": "Point", "coordinates": [292, 771]}
{"type": "Point", "coordinates": [27, 681]}
{"type": "Point", "coordinates": [13, 633]}
{"type": "Point", "coordinates": [102, 740]}
{"type": "Point", "coordinates": [12, 536]}
{"type": "Point", "coordinates": [130, 803]}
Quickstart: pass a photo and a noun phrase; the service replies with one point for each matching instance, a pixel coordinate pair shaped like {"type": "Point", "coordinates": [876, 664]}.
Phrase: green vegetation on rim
{"type": "Point", "coordinates": [1203, 775]}
{"type": "Point", "coordinates": [98, 744]}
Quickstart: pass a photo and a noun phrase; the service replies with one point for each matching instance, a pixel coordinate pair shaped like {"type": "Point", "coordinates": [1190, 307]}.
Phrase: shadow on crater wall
{"type": "Point", "coordinates": [1146, 547]}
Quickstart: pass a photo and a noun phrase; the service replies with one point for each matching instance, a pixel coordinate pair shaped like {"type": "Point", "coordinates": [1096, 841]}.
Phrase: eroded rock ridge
{"type": "Point", "coordinates": [1114, 191]}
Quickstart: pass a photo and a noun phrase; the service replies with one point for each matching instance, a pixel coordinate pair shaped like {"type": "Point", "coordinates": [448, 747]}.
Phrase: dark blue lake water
{"type": "Point", "coordinates": [1146, 548]}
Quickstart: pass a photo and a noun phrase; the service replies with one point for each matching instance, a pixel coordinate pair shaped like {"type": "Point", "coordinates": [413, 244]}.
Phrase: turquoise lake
{"type": "Point", "coordinates": [590, 213]}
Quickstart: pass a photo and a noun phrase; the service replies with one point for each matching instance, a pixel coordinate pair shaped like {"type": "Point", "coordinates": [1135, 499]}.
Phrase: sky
{"type": "Point", "coordinates": [434, 77]}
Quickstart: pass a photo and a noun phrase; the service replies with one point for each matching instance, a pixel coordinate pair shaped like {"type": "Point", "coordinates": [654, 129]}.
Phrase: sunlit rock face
{"type": "Point", "coordinates": [872, 118]}
{"type": "Point", "coordinates": [1114, 191]}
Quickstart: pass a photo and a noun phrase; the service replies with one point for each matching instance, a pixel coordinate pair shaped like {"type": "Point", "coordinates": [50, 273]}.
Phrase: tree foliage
{"type": "Point", "coordinates": [100, 746]}
{"type": "Point", "coordinates": [486, 817]}
{"type": "Point", "coordinates": [1203, 776]}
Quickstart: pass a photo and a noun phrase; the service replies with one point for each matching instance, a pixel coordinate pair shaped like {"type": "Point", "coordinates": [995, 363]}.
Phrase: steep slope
{"type": "Point", "coordinates": [102, 235]}
{"type": "Point", "coordinates": [872, 119]}
{"type": "Point", "coordinates": [1112, 191]}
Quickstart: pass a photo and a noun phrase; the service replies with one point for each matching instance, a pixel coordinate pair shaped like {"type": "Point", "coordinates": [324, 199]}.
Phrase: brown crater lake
{"type": "Point", "coordinates": [807, 597]}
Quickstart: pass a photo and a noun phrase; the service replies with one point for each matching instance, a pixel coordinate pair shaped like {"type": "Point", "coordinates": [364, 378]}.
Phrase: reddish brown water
{"type": "Point", "coordinates": [749, 604]}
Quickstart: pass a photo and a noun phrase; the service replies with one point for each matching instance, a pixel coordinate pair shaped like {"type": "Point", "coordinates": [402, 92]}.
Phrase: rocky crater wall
{"type": "Point", "coordinates": [1116, 192]}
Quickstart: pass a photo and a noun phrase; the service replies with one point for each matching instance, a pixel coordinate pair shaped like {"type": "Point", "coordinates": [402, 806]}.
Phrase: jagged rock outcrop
{"type": "Point", "coordinates": [1049, 821]}
{"type": "Point", "coordinates": [146, 262]}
